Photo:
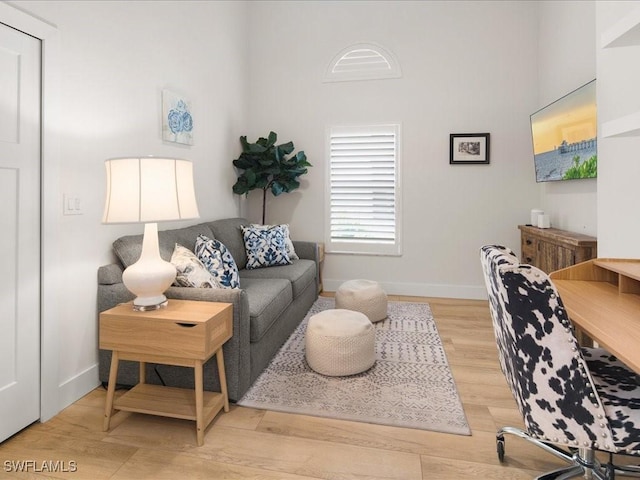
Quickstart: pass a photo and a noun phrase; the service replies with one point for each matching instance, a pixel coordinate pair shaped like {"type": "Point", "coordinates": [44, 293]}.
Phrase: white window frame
{"type": "Point", "coordinates": [363, 246]}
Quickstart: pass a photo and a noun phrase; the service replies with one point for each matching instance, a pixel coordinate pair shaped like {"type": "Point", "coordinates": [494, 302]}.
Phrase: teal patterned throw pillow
{"type": "Point", "coordinates": [218, 260]}
{"type": "Point", "coordinates": [266, 247]}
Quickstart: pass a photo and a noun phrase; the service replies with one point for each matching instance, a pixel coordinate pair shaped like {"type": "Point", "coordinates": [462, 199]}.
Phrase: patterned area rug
{"type": "Point", "coordinates": [410, 385]}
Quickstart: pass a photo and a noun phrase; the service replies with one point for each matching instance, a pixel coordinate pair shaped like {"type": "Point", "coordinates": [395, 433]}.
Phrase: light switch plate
{"type": "Point", "coordinates": [71, 205]}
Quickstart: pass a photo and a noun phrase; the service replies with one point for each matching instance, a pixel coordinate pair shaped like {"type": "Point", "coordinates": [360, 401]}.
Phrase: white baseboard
{"type": "Point", "coordinates": [77, 387]}
{"type": "Point", "coordinates": [471, 292]}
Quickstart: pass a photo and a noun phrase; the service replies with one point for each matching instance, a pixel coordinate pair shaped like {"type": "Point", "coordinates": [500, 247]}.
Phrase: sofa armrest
{"type": "Point", "coordinates": [236, 351]}
{"type": "Point", "coordinates": [307, 250]}
{"type": "Point", "coordinates": [110, 274]}
{"type": "Point", "coordinates": [111, 290]}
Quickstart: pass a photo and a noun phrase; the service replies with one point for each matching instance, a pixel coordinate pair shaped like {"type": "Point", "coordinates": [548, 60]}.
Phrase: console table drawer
{"type": "Point", "coordinates": [551, 249]}
{"type": "Point", "coordinates": [529, 248]}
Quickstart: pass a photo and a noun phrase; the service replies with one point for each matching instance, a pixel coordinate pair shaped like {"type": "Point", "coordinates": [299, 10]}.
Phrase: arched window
{"type": "Point", "coordinates": [363, 61]}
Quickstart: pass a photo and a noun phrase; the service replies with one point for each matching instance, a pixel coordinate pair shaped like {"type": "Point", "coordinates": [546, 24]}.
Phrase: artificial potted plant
{"type": "Point", "coordinates": [268, 166]}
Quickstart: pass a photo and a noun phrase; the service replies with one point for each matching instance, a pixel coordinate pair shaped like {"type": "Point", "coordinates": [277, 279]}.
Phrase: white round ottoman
{"type": "Point", "coordinates": [340, 342]}
{"type": "Point", "coordinates": [364, 296]}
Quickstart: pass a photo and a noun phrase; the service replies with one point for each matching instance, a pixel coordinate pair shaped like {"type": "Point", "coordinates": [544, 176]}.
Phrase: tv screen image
{"type": "Point", "coordinates": [564, 137]}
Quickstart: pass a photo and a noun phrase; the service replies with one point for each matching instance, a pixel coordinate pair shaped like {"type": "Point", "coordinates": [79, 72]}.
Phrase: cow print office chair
{"type": "Point", "coordinates": [573, 400]}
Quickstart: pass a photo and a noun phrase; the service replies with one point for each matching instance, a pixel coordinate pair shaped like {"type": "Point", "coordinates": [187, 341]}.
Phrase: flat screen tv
{"type": "Point", "coordinates": [565, 137]}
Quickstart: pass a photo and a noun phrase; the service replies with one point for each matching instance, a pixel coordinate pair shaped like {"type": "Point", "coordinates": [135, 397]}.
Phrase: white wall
{"type": "Point", "coordinates": [618, 164]}
{"type": "Point", "coordinates": [467, 67]}
{"type": "Point", "coordinates": [115, 58]}
{"type": "Point", "coordinates": [566, 61]}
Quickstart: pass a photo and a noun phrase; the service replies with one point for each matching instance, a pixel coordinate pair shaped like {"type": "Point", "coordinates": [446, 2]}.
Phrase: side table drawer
{"type": "Point", "coordinates": [148, 334]}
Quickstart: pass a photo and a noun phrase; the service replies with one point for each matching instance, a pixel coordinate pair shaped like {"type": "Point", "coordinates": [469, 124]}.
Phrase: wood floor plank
{"type": "Point", "coordinates": [478, 375]}
{"type": "Point", "coordinates": [479, 447]}
{"type": "Point", "coordinates": [249, 443]}
{"type": "Point", "coordinates": [282, 453]}
{"type": "Point", "coordinates": [82, 421]}
{"type": "Point", "coordinates": [241, 417]}
{"type": "Point", "coordinates": [350, 433]}
{"type": "Point", "coordinates": [161, 466]}
{"type": "Point", "coordinates": [435, 468]}
{"type": "Point", "coordinates": [479, 418]}
{"type": "Point", "coordinates": [92, 459]}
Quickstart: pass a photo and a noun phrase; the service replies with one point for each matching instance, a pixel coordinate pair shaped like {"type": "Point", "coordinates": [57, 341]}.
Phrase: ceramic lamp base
{"type": "Point", "coordinates": [150, 276]}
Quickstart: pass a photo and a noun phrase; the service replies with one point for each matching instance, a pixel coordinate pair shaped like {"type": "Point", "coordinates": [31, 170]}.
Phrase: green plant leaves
{"type": "Point", "coordinates": [586, 169]}
{"type": "Point", "coordinates": [267, 166]}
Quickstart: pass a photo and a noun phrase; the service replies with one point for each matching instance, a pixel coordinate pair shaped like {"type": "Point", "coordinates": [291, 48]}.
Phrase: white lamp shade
{"type": "Point", "coordinates": [149, 189]}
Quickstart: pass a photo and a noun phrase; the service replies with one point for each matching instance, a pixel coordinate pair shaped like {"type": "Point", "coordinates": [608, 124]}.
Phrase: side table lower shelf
{"type": "Point", "coordinates": [169, 402]}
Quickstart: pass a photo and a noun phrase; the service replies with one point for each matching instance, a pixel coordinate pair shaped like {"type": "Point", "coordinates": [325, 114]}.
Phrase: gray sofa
{"type": "Point", "coordinates": [270, 303]}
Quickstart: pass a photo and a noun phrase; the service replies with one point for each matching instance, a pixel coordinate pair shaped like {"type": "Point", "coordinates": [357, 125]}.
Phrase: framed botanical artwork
{"type": "Point", "coordinates": [177, 122]}
{"type": "Point", "coordinates": [468, 148]}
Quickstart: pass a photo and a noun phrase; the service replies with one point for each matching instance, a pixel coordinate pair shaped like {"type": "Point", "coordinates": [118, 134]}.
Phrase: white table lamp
{"type": "Point", "coordinates": [149, 190]}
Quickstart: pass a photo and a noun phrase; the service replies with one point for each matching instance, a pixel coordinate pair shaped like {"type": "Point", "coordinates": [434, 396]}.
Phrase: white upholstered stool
{"type": "Point", "coordinates": [364, 296]}
{"type": "Point", "coordinates": [340, 342]}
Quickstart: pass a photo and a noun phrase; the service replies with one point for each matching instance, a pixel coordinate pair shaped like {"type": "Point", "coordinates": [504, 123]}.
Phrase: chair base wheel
{"type": "Point", "coordinates": [500, 449]}
{"type": "Point", "coordinates": [582, 462]}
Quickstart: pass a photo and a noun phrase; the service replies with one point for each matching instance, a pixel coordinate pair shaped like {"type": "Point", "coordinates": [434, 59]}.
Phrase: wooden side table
{"type": "Point", "coordinates": [185, 333]}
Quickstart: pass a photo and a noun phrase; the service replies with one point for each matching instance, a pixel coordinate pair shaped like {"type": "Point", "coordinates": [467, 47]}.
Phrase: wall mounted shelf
{"type": "Point", "coordinates": [625, 33]}
{"type": "Point", "coordinates": [627, 126]}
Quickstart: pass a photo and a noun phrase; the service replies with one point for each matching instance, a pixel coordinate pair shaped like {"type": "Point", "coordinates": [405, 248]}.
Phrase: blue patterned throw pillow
{"type": "Point", "coordinates": [218, 260]}
{"type": "Point", "coordinates": [266, 247]}
{"type": "Point", "coordinates": [287, 239]}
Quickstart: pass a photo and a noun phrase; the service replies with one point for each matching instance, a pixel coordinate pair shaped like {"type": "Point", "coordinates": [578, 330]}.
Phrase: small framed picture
{"type": "Point", "coordinates": [469, 148]}
{"type": "Point", "coordinates": [177, 121]}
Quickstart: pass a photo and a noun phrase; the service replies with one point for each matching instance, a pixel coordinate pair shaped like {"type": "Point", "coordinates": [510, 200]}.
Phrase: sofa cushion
{"type": "Point", "coordinates": [266, 247]}
{"type": "Point", "coordinates": [128, 248]}
{"type": "Point", "coordinates": [228, 232]}
{"type": "Point", "coordinates": [268, 298]}
{"type": "Point", "coordinates": [190, 270]}
{"type": "Point", "coordinates": [300, 273]}
{"type": "Point", "coordinates": [218, 261]}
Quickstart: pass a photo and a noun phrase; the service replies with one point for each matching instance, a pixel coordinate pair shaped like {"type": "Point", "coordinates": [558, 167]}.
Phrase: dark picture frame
{"type": "Point", "coordinates": [469, 148]}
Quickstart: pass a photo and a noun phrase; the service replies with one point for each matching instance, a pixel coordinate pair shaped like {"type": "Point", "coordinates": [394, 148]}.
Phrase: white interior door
{"type": "Point", "coordinates": [20, 236]}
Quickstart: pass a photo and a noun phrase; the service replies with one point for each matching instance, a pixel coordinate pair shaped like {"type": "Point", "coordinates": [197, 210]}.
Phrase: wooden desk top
{"type": "Point", "coordinates": [601, 297]}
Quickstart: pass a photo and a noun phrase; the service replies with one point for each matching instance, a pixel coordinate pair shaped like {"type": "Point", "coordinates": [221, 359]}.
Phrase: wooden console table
{"type": "Point", "coordinates": [185, 333]}
{"type": "Point", "coordinates": [602, 297]}
{"type": "Point", "coordinates": [551, 249]}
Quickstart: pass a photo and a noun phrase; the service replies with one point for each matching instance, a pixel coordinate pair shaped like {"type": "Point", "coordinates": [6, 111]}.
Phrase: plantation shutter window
{"type": "Point", "coordinates": [363, 190]}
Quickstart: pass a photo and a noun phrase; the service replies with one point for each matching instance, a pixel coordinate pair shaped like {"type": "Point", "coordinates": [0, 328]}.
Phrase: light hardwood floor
{"type": "Point", "coordinates": [253, 444]}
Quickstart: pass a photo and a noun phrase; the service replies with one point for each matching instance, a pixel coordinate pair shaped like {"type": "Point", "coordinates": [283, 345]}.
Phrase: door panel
{"type": "Point", "coordinates": [9, 94]}
{"type": "Point", "coordinates": [20, 238]}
